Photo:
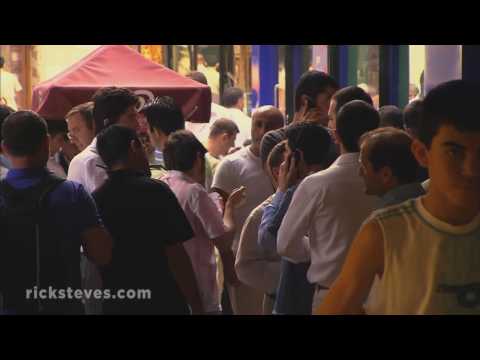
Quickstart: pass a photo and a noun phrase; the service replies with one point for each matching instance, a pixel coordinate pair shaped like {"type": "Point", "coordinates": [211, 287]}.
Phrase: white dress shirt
{"type": "Point", "coordinates": [88, 169]}
{"type": "Point", "coordinates": [329, 207]}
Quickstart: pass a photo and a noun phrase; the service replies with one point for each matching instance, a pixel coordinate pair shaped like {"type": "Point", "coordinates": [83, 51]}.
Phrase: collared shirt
{"type": "Point", "coordinates": [87, 168]}
{"type": "Point", "coordinates": [143, 217]}
{"type": "Point", "coordinates": [402, 193]}
{"type": "Point", "coordinates": [329, 206]}
{"type": "Point", "coordinates": [243, 168]}
{"type": "Point", "coordinates": [207, 224]}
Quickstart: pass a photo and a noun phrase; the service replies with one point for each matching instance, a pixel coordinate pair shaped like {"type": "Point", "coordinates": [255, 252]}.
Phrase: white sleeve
{"type": "Point", "coordinates": [18, 86]}
{"type": "Point", "coordinates": [296, 224]}
{"type": "Point", "coordinates": [88, 174]}
{"type": "Point", "coordinates": [224, 178]}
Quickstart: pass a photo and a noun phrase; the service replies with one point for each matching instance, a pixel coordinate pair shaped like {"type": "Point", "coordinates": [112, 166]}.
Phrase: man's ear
{"type": "Point", "coordinates": [386, 174]}
{"type": "Point", "coordinates": [420, 152]}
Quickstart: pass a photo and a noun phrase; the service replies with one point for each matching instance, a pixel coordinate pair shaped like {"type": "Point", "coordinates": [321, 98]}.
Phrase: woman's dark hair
{"type": "Point", "coordinates": [113, 144]}
{"type": "Point", "coordinates": [181, 151]}
{"type": "Point", "coordinates": [348, 94]}
{"type": "Point", "coordinates": [164, 115]}
{"type": "Point", "coordinates": [312, 139]}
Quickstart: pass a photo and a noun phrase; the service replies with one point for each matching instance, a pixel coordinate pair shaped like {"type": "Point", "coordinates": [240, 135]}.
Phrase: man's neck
{"type": "Point", "coordinates": [439, 206]}
{"type": "Point", "coordinates": [255, 150]}
{"type": "Point", "coordinates": [212, 149]}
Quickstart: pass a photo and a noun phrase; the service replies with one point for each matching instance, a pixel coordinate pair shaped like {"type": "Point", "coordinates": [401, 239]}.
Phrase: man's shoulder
{"type": "Point", "coordinates": [394, 211]}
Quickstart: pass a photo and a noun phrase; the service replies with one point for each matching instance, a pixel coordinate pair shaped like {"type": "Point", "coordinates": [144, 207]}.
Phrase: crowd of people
{"type": "Point", "coordinates": [346, 210]}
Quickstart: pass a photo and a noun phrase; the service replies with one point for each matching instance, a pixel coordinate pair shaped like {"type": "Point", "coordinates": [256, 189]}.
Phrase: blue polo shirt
{"type": "Point", "coordinates": [72, 208]}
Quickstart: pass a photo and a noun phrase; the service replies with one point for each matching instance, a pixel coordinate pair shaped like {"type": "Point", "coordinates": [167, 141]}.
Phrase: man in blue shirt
{"type": "Point", "coordinates": [307, 151]}
{"type": "Point", "coordinates": [67, 218]}
{"type": "Point", "coordinates": [388, 166]}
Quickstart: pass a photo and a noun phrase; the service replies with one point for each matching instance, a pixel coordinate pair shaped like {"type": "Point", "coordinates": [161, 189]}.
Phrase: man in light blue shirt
{"type": "Point", "coordinates": [388, 166]}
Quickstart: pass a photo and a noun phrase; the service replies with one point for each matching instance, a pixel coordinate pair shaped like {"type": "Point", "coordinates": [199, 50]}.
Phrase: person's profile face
{"type": "Point", "coordinates": [129, 118]}
{"type": "Point", "coordinates": [371, 178]}
{"type": "Point", "coordinates": [80, 135]}
{"type": "Point", "coordinates": [332, 116]}
{"type": "Point", "coordinates": [453, 162]}
{"type": "Point", "coordinates": [322, 101]}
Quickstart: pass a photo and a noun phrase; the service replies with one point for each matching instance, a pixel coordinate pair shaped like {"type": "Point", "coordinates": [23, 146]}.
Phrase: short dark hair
{"type": "Point", "coordinates": [113, 144]}
{"type": "Point", "coordinates": [198, 77]}
{"type": "Point", "coordinates": [311, 84]}
{"type": "Point", "coordinates": [4, 112]}
{"type": "Point", "coordinates": [231, 96]}
{"type": "Point", "coordinates": [275, 158]}
{"type": "Point", "coordinates": [222, 126]}
{"type": "Point", "coordinates": [110, 103]}
{"type": "Point", "coordinates": [269, 141]}
{"type": "Point", "coordinates": [2, 61]}
{"type": "Point", "coordinates": [353, 120]}
{"type": "Point", "coordinates": [164, 115]}
{"type": "Point", "coordinates": [23, 133]}
{"type": "Point", "coordinates": [452, 103]}
{"type": "Point", "coordinates": [391, 147]}
{"type": "Point", "coordinates": [85, 110]}
{"type": "Point", "coordinates": [390, 115]}
{"type": "Point", "coordinates": [412, 115]}
{"type": "Point", "coordinates": [312, 139]}
{"type": "Point", "coordinates": [56, 127]}
{"type": "Point", "coordinates": [181, 150]}
{"type": "Point", "coordinates": [348, 94]}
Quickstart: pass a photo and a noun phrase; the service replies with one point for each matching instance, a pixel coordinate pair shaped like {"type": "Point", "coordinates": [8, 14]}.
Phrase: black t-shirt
{"type": "Point", "coordinates": [143, 216]}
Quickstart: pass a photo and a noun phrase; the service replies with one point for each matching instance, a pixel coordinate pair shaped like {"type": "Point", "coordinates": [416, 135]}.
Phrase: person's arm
{"type": "Point", "coordinates": [296, 223]}
{"type": "Point", "coordinates": [224, 180]}
{"type": "Point", "coordinates": [267, 239]}
{"type": "Point", "coordinates": [253, 268]}
{"type": "Point", "coordinates": [97, 244]}
{"type": "Point", "coordinates": [182, 270]}
{"type": "Point", "coordinates": [365, 260]}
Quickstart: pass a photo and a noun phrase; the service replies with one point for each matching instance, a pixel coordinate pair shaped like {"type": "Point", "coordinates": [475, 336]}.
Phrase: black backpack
{"type": "Point", "coordinates": [30, 252]}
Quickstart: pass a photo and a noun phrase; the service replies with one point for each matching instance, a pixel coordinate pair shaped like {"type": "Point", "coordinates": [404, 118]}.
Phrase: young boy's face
{"type": "Point", "coordinates": [453, 162]}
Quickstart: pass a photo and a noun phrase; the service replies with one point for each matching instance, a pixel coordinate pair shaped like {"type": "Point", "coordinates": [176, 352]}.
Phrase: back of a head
{"type": "Point", "coordinates": [412, 115]}
{"type": "Point", "coordinates": [223, 126]}
{"type": "Point", "coordinates": [23, 133]}
{"type": "Point", "coordinates": [113, 144]}
{"type": "Point", "coordinates": [350, 93]}
{"type": "Point", "coordinates": [391, 115]}
{"type": "Point", "coordinates": [163, 114]}
{"type": "Point", "coordinates": [57, 127]}
{"type": "Point", "coordinates": [2, 62]}
{"type": "Point", "coordinates": [198, 77]}
{"type": "Point", "coordinates": [452, 103]}
{"type": "Point", "coordinates": [181, 151]}
{"type": "Point", "coordinates": [231, 96]}
{"type": "Point", "coordinates": [311, 84]}
{"type": "Point", "coordinates": [85, 110]}
{"type": "Point", "coordinates": [313, 140]}
{"type": "Point", "coordinates": [269, 141]}
{"type": "Point", "coordinates": [391, 147]}
{"type": "Point", "coordinates": [353, 120]}
{"type": "Point", "coordinates": [110, 103]}
{"type": "Point", "coordinates": [4, 112]}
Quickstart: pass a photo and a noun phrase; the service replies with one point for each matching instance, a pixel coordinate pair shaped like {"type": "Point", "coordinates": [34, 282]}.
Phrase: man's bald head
{"type": "Point", "coordinates": [264, 119]}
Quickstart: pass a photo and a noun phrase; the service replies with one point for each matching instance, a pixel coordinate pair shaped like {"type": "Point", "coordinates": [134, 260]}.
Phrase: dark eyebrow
{"type": "Point", "coordinates": [453, 144]}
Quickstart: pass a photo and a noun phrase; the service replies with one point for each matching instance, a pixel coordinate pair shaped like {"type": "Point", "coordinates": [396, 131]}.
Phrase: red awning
{"type": "Point", "coordinates": [118, 65]}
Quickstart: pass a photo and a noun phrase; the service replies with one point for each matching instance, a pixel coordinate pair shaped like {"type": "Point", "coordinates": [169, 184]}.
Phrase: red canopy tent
{"type": "Point", "coordinates": [118, 65]}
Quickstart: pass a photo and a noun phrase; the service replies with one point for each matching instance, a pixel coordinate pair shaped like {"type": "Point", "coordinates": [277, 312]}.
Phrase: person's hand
{"type": "Point", "coordinates": [288, 173]}
{"type": "Point", "coordinates": [237, 198]}
{"type": "Point", "coordinates": [313, 114]}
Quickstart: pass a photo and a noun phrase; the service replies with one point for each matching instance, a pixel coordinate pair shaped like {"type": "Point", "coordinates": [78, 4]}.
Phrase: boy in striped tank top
{"type": "Point", "coordinates": [423, 256]}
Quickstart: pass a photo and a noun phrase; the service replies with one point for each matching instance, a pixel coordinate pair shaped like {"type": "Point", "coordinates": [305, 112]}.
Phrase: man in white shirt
{"type": "Point", "coordinates": [244, 168]}
{"type": "Point", "coordinates": [9, 86]}
{"type": "Point", "coordinates": [330, 206]}
{"type": "Point", "coordinates": [233, 100]}
{"type": "Point", "coordinates": [112, 105]}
